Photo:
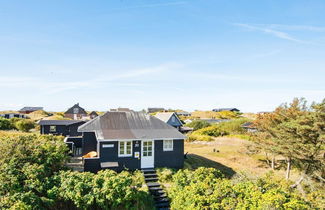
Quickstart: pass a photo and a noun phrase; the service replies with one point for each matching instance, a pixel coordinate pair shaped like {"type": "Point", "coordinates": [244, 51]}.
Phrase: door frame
{"type": "Point", "coordinates": [153, 153]}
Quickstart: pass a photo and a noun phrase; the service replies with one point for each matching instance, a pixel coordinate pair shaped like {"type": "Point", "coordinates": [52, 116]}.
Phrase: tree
{"type": "Point", "coordinates": [295, 132]}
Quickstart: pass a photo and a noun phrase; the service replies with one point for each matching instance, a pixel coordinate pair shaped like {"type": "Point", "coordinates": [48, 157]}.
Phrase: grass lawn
{"type": "Point", "coordinates": [230, 155]}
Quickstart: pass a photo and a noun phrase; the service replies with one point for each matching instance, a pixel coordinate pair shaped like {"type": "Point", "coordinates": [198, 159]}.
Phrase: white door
{"type": "Point", "coordinates": [147, 154]}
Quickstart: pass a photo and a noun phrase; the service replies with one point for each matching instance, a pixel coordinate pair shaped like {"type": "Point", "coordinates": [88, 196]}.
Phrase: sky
{"type": "Point", "coordinates": [182, 54]}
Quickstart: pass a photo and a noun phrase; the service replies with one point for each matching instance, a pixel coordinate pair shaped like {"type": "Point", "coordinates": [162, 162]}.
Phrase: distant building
{"type": "Point", "coordinates": [76, 112]}
{"type": "Point", "coordinates": [93, 114]}
{"type": "Point", "coordinates": [153, 110]}
{"type": "Point", "coordinates": [12, 115]}
{"type": "Point", "coordinates": [226, 109]}
{"type": "Point", "coordinates": [185, 114]}
{"type": "Point", "coordinates": [120, 110]}
{"type": "Point", "coordinates": [60, 127]}
{"type": "Point", "coordinates": [27, 109]}
{"type": "Point", "coordinates": [249, 126]}
{"type": "Point", "coordinates": [188, 121]}
{"type": "Point", "coordinates": [215, 121]}
{"type": "Point", "coordinates": [170, 118]}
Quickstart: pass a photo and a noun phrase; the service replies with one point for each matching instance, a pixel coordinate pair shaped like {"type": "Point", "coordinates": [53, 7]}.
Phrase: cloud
{"type": "Point", "coordinates": [294, 27]}
{"type": "Point", "coordinates": [268, 30]}
{"type": "Point", "coordinates": [119, 79]}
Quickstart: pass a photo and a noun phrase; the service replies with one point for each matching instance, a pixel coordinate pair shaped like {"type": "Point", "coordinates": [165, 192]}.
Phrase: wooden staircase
{"type": "Point", "coordinates": [76, 164]}
{"type": "Point", "coordinates": [160, 198]}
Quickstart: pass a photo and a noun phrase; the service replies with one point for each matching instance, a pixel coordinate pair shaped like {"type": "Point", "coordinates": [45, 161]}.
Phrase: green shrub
{"type": "Point", "coordinates": [198, 124]}
{"type": "Point", "coordinates": [198, 137]}
{"type": "Point", "coordinates": [25, 125]}
{"type": "Point", "coordinates": [208, 189]}
{"type": "Point", "coordinates": [165, 174]}
{"type": "Point", "coordinates": [5, 124]}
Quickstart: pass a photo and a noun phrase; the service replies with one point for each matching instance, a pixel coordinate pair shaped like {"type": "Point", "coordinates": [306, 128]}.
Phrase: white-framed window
{"type": "Point", "coordinates": [75, 110]}
{"type": "Point", "coordinates": [125, 148]}
{"type": "Point", "coordinates": [168, 145]}
{"type": "Point", "coordinates": [52, 128]}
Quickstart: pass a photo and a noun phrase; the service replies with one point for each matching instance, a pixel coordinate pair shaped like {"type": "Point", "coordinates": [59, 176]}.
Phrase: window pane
{"type": "Point", "coordinates": [149, 153]}
{"type": "Point", "coordinates": [122, 148]}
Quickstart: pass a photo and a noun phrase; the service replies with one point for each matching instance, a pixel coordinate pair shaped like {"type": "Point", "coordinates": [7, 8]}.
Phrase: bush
{"type": "Point", "coordinates": [198, 124]}
{"type": "Point", "coordinates": [213, 130]}
{"type": "Point", "coordinates": [198, 137]}
{"type": "Point", "coordinates": [5, 124]}
{"type": "Point", "coordinates": [26, 163]}
{"type": "Point", "coordinates": [25, 125]}
{"type": "Point", "coordinates": [33, 176]}
{"type": "Point", "coordinates": [165, 174]}
{"type": "Point", "coordinates": [207, 188]}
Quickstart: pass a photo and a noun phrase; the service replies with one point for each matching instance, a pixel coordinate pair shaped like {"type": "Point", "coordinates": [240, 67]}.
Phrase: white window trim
{"type": "Point", "coordinates": [53, 126]}
{"type": "Point", "coordinates": [125, 155]}
{"type": "Point", "coordinates": [168, 149]}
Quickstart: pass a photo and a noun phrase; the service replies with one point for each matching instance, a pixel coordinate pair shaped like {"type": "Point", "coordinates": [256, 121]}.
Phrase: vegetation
{"type": "Point", "coordinates": [206, 188]}
{"type": "Point", "coordinates": [215, 115]}
{"type": "Point", "coordinates": [16, 123]}
{"type": "Point", "coordinates": [296, 132]}
{"type": "Point", "coordinates": [225, 128]}
{"type": "Point", "coordinates": [33, 176]}
{"type": "Point", "coordinates": [198, 124]}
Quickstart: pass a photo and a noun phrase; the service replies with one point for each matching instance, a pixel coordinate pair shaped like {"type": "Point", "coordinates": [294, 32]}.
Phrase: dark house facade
{"type": "Point", "coordinates": [76, 112]}
{"type": "Point", "coordinates": [60, 127]}
{"type": "Point", "coordinates": [28, 109]}
{"type": "Point", "coordinates": [131, 140]}
{"type": "Point", "coordinates": [226, 109]}
{"type": "Point", "coordinates": [12, 115]}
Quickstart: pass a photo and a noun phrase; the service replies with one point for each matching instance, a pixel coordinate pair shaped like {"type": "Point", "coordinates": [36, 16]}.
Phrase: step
{"type": "Point", "coordinates": [157, 192]}
{"type": "Point", "coordinates": [75, 159]}
{"type": "Point", "coordinates": [162, 200]}
{"type": "Point", "coordinates": [149, 170]}
{"type": "Point", "coordinates": [162, 204]}
{"type": "Point", "coordinates": [164, 195]}
{"type": "Point", "coordinates": [74, 164]}
{"type": "Point", "coordinates": [153, 184]}
{"type": "Point", "coordinates": [163, 208]}
{"type": "Point", "coordinates": [151, 179]}
{"type": "Point", "coordinates": [150, 175]}
{"type": "Point", "coordinates": [157, 197]}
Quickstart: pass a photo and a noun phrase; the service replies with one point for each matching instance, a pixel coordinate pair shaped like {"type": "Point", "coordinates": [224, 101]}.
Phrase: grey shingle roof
{"type": "Point", "coordinates": [130, 125]}
{"type": "Point", "coordinates": [59, 122]}
{"type": "Point", "coordinates": [30, 108]}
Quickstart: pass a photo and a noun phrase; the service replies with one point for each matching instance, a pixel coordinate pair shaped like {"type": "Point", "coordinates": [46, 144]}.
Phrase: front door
{"type": "Point", "coordinates": [147, 154]}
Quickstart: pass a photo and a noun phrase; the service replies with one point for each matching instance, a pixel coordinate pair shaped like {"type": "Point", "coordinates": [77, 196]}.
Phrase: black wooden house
{"type": "Point", "coordinates": [131, 140]}
{"type": "Point", "coordinates": [60, 127]}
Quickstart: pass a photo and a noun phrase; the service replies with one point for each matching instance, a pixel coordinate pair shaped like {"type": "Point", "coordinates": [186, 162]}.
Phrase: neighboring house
{"type": "Point", "coordinates": [76, 112]}
{"type": "Point", "coordinates": [188, 121]}
{"type": "Point", "coordinates": [170, 118]}
{"type": "Point", "coordinates": [153, 110]}
{"type": "Point", "coordinates": [12, 115]}
{"type": "Point", "coordinates": [131, 140]}
{"type": "Point", "coordinates": [60, 127]}
{"type": "Point", "coordinates": [185, 114]}
{"type": "Point", "coordinates": [93, 114]}
{"type": "Point", "coordinates": [27, 110]}
{"type": "Point", "coordinates": [226, 109]}
{"type": "Point", "coordinates": [215, 121]}
{"type": "Point", "coordinates": [249, 127]}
